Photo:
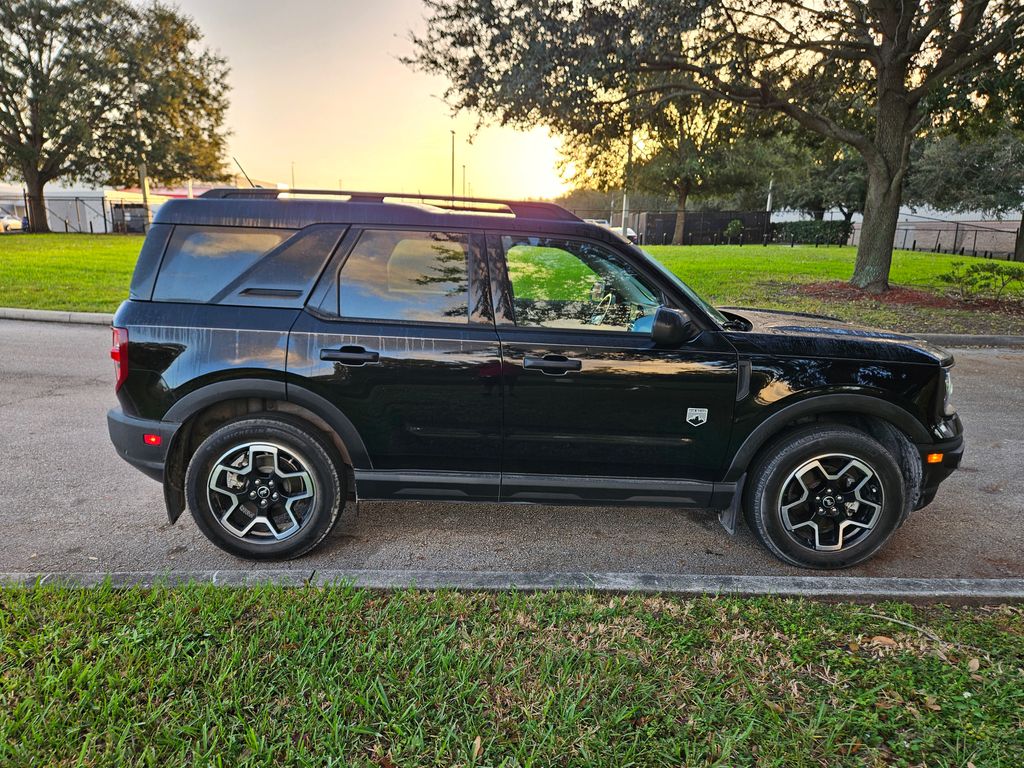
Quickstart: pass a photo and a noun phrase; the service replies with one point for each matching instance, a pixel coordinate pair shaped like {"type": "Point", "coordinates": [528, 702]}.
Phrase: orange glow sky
{"type": "Point", "coordinates": [318, 82]}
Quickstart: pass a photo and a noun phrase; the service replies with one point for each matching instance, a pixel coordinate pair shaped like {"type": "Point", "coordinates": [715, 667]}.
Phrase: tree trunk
{"type": "Point", "coordinates": [887, 167]}
{"type": "Point", "coordinates": [877, 231]}
{"type": "Point", "coordinates": [677, 234]}
{"type": "Point", "coordinates": [36, 202]}
{"type": "Point", "coordinates": [1018, 246]}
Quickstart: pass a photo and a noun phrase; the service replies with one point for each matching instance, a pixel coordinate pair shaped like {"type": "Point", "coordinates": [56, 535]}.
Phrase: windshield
{"type": "Point", "coordinates": [690, 293]}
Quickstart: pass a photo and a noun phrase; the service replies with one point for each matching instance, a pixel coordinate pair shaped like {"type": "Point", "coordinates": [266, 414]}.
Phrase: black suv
{"type": "Point", "coordinates": [281, 353]}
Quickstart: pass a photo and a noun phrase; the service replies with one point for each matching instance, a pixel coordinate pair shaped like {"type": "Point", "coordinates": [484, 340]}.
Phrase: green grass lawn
{"type": "Point", "coordinates": [757, 276]}
{"type": "Point", "coordinates": [225, 677]}
{"type": "Point", "coordinates": [92, 272]}
{"type": "Point", "coordinates": [83, 273]}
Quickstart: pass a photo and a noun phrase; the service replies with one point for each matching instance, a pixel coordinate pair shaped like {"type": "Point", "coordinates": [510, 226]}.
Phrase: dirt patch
{"type": "Point", "coordinates": [899, 295]}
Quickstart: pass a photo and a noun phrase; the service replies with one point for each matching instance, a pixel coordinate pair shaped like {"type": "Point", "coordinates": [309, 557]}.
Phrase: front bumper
{"type": "Point", "coordinates": [952, 451]}
{"type": "Point", "coordinates": [127, 434]}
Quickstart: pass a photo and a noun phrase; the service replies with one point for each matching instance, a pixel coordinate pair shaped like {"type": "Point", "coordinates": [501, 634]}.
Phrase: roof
{"type": "Point", "coordinates": [295, 209]}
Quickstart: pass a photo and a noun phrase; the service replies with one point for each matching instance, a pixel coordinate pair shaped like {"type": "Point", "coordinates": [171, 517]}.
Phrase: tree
{"type": "Point", "coordinates": [89, 88]}
{"type": "Point", "coordinates": [823, 175]}
{"type": "Point", "coordinates": [980, 173]}
{"type": "Point", "coordinates": [683, 147]}
{"type": "Point", "coordinates": [865, 73]}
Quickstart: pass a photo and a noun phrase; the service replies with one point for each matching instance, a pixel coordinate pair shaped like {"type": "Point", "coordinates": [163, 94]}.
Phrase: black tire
{"type": "Point", "coordinates": [296, 447]}
{"type": "Point", "coordinates": [818, 451]}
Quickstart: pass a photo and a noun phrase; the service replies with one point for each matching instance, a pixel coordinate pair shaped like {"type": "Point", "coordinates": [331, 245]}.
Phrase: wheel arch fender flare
{"type": "Point", "coordinates": [820, 405]}
{"type": "Point", "coordinates": [234, 389]}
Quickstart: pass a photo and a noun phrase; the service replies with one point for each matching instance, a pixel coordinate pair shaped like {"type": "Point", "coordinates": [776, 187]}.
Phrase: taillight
{"type": "Point", "coordinates": [119, 354]}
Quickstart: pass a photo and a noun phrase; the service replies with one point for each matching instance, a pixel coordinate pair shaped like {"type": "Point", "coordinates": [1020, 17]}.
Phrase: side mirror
{"type": "Point", "coordinates": [671, 327]}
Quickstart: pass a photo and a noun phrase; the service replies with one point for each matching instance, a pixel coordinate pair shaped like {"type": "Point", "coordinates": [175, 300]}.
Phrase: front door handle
{"type": "Point", "coordinates": [553, 365]}
{"type": "Point", "coordinates": [351, 355]}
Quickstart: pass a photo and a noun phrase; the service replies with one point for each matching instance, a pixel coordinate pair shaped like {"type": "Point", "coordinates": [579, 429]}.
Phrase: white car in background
{"type": "Point", "coordinates": [630, 233]}
{"type": "Point", "coordinates": [9, 223]}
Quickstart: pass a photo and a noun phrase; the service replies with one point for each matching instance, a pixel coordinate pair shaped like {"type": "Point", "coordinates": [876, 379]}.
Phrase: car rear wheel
{"type": "Point", "coordinates": [825, 497]}
{"type": "Point", "coordinates": [264, 488]}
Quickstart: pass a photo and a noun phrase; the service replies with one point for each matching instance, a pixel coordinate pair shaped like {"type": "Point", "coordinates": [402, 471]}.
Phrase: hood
{"type": "Point", "coordinates": [797, 334]}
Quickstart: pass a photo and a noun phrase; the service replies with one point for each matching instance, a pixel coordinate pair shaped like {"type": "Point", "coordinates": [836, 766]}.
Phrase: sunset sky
{"type": "Point", "coordinates": [318, 82]}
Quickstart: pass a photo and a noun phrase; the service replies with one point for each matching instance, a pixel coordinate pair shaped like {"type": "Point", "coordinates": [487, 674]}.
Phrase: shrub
{"type": "Point", "coordinates": [733, 230]}
{"type": "Point", "coordinates": [813, 231]}
{"type": "Point", "coordinates": [983, 279]}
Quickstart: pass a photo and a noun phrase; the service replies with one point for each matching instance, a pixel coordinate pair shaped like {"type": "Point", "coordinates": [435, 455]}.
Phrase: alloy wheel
{"type": "Point", "coordinates": [831, 502]}
{"type": "Point", "coordinates": [261, 492]}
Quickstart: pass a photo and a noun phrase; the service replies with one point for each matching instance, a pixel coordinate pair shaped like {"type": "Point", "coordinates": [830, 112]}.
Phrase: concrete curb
{"type": "Point", "coordinates": [851, 588]}
{"type": "Point", "coordinates": [969, 340]}
{"type": "Point", "coordinates": [54, 316]}
{"type": "Point", "coordinates": [100, 318]}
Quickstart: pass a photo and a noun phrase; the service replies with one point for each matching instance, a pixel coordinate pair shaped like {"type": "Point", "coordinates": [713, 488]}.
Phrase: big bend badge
{"type": "Point", "coordinates": [696, 417]}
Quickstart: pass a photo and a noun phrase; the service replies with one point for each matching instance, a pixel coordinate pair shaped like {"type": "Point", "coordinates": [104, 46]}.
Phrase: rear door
{"type": "Point", "coordinates": [400, 338]}
{"type": "Point", "coordinates": [594, 411]}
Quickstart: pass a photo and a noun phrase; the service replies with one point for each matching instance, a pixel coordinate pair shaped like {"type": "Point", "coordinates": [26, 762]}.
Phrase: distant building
{"type": "Point", "coordinates": [100, 210]}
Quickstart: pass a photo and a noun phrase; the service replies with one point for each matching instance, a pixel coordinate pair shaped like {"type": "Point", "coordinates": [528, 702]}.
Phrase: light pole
{"type": "Point", "coordinates": [463, 179]}
{"type": "Point", "coordinates": [453, 163]}
{"type": "Point", "coordinates": [293, 174]}
{"type": "Point", "coordinates": [143, 170]}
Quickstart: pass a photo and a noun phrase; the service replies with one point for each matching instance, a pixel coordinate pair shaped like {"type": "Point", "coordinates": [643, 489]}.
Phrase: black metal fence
{"type": "Point", "coordinates": [989, 239]}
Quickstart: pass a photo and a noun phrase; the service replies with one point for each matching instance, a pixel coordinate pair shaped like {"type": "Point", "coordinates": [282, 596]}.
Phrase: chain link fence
{"type": "Point", "coordinates": [986, 239]}
{"type": "Point", "coordinates": [83, 214]}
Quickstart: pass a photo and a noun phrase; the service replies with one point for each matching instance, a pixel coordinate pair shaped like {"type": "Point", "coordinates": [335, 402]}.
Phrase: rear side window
{"type": "Point", "coordinates": [244, 267]}
{"type": "Point", "coordinates": [417, 276]}
{"type": "Point", "coordinates": [201, 261]}
{"type": "Point", "coordinates": [149, 262]}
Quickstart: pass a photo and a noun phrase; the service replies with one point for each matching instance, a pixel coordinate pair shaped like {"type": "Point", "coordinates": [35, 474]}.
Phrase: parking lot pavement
{"type": "Point", "coordinates": [68, 503]}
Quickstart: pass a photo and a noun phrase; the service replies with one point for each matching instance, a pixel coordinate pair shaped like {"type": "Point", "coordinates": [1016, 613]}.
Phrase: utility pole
{"type": "Point", "coordinates": [293, 174]}
{"type": "Point", "coordinates": [463, 179]}
{"type": "Point", "coordinates": [625, 181]}
{"type": "Point", "coordinates": [143, 172]}
{"type": "Point", "coordinates": [453, 163]}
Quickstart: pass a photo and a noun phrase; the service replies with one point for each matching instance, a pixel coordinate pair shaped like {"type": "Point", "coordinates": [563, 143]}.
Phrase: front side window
{"type": "Point", "coordinates": [417, 276]}
{"type": "Point", "coordinates": [570, 284]}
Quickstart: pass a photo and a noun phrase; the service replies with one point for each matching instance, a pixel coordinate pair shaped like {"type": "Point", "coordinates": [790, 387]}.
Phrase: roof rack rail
{"type": "Point", "coordinates": [524, 209]}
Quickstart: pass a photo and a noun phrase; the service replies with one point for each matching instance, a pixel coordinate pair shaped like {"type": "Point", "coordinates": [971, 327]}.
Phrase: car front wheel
{"type": "Point", "coordinates": [825, 496]}
{"type": "Point", "coordinates": [264, 488]}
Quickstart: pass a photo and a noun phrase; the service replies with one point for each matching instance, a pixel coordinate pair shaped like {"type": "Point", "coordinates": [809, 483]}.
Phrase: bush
{"type": "Point", "coordinates": [983, 279]}
{"type": "Point", "coordinates": [733, 230]}
{"type": "Point", "coordinates": [813, 231]}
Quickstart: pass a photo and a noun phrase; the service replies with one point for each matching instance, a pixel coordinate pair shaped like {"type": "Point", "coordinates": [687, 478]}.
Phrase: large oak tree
{"type": "Point", "coordinates": [866, 73]}
{"type": "Point", "coordinates": [91, 88]}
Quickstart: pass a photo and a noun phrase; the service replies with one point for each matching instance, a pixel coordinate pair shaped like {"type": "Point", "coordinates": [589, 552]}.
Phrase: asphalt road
{"type": "Point", "coordinates": [68, 503]}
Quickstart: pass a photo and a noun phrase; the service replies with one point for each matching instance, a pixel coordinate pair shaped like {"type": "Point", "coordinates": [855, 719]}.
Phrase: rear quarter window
{"type": "Point", "coordinates": [244, 266]}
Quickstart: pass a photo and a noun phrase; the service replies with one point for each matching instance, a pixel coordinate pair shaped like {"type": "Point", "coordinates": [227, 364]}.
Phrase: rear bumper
{"type": "Point", "coordinates": [127, 433]}
{"type": "Point", "coordinates": [952, 451]}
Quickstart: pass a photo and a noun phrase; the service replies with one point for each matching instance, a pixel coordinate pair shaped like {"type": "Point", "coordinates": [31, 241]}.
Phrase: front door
{"type": "Point", "coordinates": [594, 411]}
{"type": "Point", "coordinates": [403, 344]}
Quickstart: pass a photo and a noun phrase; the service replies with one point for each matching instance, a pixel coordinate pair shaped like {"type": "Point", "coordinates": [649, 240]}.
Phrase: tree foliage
{"type": "Point", "coordinates": [823, 175]}
{"type": "Point", "coordinates": [89, 88]}
{"type": "Point", "coordinates": [864, 73]}
{"type": "Point", "coordinates": [687, 146]}
{"type": "Point", "coordinates": [973, 173]}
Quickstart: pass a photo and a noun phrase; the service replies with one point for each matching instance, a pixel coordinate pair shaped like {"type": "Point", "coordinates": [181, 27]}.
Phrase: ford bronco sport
{"type": "Point", "coordinates": [282, 353]}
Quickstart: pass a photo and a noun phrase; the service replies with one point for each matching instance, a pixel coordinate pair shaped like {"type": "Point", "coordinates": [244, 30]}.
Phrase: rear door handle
{"type": "Point", "coordinates": [352, 355]}
{"type": "Point", "coordinates": [553, 365]}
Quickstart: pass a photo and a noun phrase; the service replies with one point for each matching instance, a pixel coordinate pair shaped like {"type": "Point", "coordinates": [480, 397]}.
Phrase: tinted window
{"type": "Point", "coordinates": [419, 276]}
{"type": "Point", "coordinates": [149, 261]}
{"type": "Point", "coordinates": [577, 285]}
{"type": "Point", "coordinates": [284, 276]}
{"type": "Point", "coordinates": [201, 262]}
